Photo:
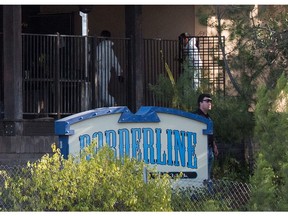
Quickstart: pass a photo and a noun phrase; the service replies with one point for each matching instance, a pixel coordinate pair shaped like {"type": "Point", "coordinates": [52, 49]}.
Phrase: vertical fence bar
{"type": "Point", "coordinates": [57, 78]}
{"type": "Point", "coordinates": [1, 78]}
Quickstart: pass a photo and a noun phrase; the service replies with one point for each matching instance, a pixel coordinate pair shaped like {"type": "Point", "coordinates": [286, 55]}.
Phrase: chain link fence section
{"type": "Point", "coordinates": [6, 172]}
{"type": "Point", "coordinates": [213, 195]}
{"type": "Point", "coordinates": [216, 195]}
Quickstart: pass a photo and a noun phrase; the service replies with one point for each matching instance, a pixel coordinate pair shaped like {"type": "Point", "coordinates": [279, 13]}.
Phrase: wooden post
{"type": "Point", "coordinates": [12, 61]}
{"type": "Point", "coordinates": [133, 22]}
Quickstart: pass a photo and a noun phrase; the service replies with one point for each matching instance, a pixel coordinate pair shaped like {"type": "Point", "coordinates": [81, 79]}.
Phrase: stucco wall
{"type": "Point", "coordinates": [158, 21]}
{"type": "Point", "coordinates": [168, 22]}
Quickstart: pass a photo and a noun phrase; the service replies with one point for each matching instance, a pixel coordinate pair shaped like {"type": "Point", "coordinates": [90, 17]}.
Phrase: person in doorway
{"type": "Point", "coordinates": [204, 106]}
{"type": "Point", "coordinates": [190, 55]}
{"type": "Point", "coordinates": [106, 60]}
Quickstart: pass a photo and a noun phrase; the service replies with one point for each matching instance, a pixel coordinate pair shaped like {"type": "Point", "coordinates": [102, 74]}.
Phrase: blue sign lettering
{"type": "Point", "coordinates": [180, 144]}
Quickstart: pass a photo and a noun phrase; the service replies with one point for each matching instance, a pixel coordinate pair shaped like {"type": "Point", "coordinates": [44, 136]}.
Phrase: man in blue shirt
{"type": "Point", "coordinates": [204, 105]}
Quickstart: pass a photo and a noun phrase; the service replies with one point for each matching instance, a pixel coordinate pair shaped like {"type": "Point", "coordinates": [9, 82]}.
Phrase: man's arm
{"type": "Point", "coordinates": [117, 67]}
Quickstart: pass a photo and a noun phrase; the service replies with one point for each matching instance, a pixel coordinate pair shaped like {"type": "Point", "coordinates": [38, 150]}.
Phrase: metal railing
{"type": "Point", "coordinates": [1, 78]}
{"type": "Point", "coordinates": [63, 74]}
{"type": "Point", "coordinates": [206, 60]}
{"type": "Point", "coordinates": [157, 52]}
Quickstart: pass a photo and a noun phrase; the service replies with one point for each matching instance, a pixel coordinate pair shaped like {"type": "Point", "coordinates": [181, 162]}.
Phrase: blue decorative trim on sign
{"type": "Point", "coordinates": [62, 126]}
{"type": "Point", "coordinates": [144, 114]}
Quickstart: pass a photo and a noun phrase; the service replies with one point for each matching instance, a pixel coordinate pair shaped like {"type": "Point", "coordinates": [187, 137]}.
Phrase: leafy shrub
{"type": "Point", "coordinates": [229, 168]}
{"type": "Point", "coordinates": [271, 174]}
{"type": "Point", "coordinates": [178, 94]}
{"type": "Point", "coordinates": [230, 114]}
{"type": "Point", "coordinates": [102, 183]}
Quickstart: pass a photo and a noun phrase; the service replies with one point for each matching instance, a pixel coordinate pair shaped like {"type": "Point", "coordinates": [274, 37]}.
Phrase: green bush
{"type": "Point", "coordinates": [270, 178]}
{"type": "Point", "coordinates": [232, 121]}
{"type": "Point", "coordinates": [102, 183]}
{"type": "Point", "coordinates": [229, 168]}
{"type": "Point", "coordinates": [177, 94]}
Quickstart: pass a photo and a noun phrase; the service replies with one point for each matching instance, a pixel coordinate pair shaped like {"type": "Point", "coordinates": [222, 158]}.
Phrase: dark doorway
{"type": "Point", "coordinates": [52, 23]}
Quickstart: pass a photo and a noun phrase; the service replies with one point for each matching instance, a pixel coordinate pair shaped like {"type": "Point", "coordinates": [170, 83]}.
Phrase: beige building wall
{"type": "Point", "coordinates": [101, 17]}
{"type": "Point", "coordinates": [168, 22]}
{"type": "Point", "coordinates": [158, 21]}
{"type": "Point", "coordinates": [200, 30]}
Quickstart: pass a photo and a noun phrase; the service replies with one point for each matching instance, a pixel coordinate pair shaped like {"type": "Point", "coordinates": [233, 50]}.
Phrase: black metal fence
{"type": "Point", "coordinates": [1, 78]}
{"type": "Point", "coordinates": [69, 74]}
{"type": "Point", "coordinates": [205, 59]}
{"type": "Point", "coordinates": [63, 74]}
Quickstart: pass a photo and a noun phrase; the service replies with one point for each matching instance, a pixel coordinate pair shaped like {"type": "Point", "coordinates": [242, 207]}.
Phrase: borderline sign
{"type": "Point", "coordinates": [172, 140]}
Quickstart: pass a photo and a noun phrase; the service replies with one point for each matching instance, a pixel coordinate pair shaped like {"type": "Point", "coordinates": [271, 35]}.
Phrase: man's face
{"type": "Point", "coordinates": [206, 104]}
{"type": "Point", "coordinates": [185, 40]}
